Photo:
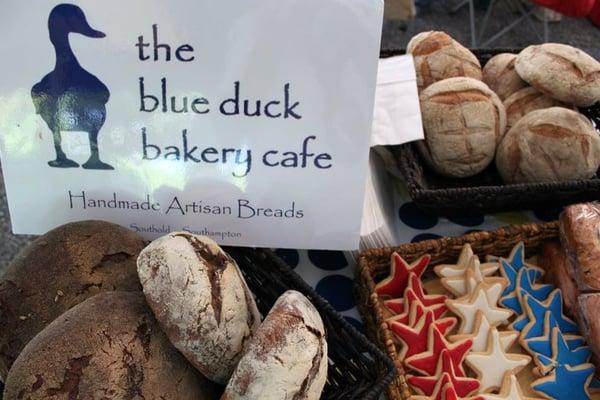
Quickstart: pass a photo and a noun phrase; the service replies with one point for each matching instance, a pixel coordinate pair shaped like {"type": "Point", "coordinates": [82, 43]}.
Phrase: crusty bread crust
{"type": "Point", "coordinates": [500, 75]}
{"type": "Point", "coordinates": [559, 272]}
{"type": "Point", "coordinates": [437, 57]}
{"type": "Point", "coordinates": [200, 299]}
{"type": "Point", "coordinates": [553, 144]}
{"type": "Point", "coordinates": [563, 72]}
{"type": "Point", "coordinates": [463, 122]}
{"type": "Point", "coordinates": [108, 347]}
{"type": "Point", "coordinates": [525, 101]}
{"type": "Point", "coordinates": [287, 357]}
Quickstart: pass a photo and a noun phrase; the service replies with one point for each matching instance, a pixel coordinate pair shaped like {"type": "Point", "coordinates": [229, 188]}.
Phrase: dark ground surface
{"type": "Point", "coordinates": [578, 32]}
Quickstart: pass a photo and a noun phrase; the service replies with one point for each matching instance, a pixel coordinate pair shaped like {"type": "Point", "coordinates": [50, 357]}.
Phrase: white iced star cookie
{"type": "Point", "coordinates": [511, 390]}
{"type": "Point", "coordinates": [466, 308]}
{"type": "Point", "coordinates": [473, 274]}
{"type": "Point", "coordinates": [458, 269]}
{"type": "Point", "coordinates": [481, 332]}
{"type": "Point", "coordinates": [491, 365]}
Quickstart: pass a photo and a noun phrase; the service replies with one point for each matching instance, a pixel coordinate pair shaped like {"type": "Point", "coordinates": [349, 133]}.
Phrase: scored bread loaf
{"type": "Point", "coordinates": [463, 121]}
{"type": "Point", "coordinates": [108, 347]}
{"type": "Point", "coordinates": [200, 299]}
{"type": "Point", "coordinates": [500, 75]}
{"type": "Point", "coordinates": [553, 144]}
{"type": "Point", "coordinates": [525, 101]}
{"type": "Point", "coordinates": [580, 237]}
{"type": "Point", "coordinates": [287, 357]}
{"type": "Point", "coordinates": [437, 57]}
{"type": "Point", "coordinates": [562, 72]}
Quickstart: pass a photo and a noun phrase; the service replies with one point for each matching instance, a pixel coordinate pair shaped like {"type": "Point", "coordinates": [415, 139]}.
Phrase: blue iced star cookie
{"type": "Point", "coordinates": [561, 354]}
{"type": "Point", "coordinates": [566, 382]}
{"type": "Point", "coordinates": [523, 280]}
{"type": "Point", "coordinates": [537, 309]}
{"type": "Point", "coordinates": [543, 345]}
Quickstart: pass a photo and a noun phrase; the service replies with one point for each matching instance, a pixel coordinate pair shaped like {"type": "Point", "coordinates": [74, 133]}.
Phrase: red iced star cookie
{"type": "Point", "coordinates": [426, 362]}
{"type": "Point", "coordinates": [414, 285]}
{"type": "Point", "coordinates": [426, 384]}
{"type": "Point", "coordinates": [402, 305]}
{"type": "Point", "coordinates": [414, 313]}
{"type": "Point", "coordinates": [414, 339]}
{"type": "Point", "coordinates": [394, 285]}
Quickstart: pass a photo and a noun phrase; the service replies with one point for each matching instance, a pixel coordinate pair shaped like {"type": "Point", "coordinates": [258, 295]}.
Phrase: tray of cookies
{"type": "Point", "coordinates": [489, 315]}
{"type": "Point", "coordinates": [91, 310]}
{"type": "Point", "coordinates": [505, 129]}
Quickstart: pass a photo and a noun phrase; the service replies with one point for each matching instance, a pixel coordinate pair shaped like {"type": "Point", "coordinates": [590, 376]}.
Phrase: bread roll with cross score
{"type": "Point", "coordinates": [563, 72]}
{"type": "Point", "coordinates": [463, 121]}
{"type": "Point", "coordinates": [500, 75]}
{"type": "Point", "coordinates": [552, 144]}
{"type": "Point", "coordinates": [437, 57]}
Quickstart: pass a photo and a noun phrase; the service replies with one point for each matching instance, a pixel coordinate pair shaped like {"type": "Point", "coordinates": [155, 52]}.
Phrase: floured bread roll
{"type": "Point", "coordinates": [561, 71]}
{"type": "Point", "coordinates": [525, 101]}
{"type": "Point", "coordinates": [463, 121]}
{"type": "Point", "coordinates": [287, 357]}
{"type": "Point", "coordinates": [500, 75]}
{"type": "Point", "coordinates": [200, 299]}
{"type": "Point", "coordinates": [552, 144]}
{"type": "Point", "coordinates": [438, 57]}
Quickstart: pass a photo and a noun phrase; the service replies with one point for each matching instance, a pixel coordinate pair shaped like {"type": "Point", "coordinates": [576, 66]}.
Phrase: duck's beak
{"type": "Point", "coordinates": [88, 31]}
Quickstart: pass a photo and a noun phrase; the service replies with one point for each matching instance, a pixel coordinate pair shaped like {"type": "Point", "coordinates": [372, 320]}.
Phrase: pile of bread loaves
{"type": "Point", "coordinates": [575, 268]}
{"type": "Point", "coordinates": [87, 311]}
{"type": "Point", "coordinates": [520, 110]}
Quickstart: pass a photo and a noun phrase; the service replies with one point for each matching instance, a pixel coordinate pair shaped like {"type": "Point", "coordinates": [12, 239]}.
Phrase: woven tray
{"type": "Point", "coordinates": [485, 192]}
{"type": "Point", "coordinates": [357, 368]}
{"type": "Point", "coordinates": [374, 266]}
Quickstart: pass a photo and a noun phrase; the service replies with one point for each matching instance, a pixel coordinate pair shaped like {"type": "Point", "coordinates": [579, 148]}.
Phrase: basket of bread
{"type": "Point", "coordinates": [91, 311]}
{"type": "Point", "coordinates": [508, 314]}
{"type": "Point", "coordinates": [504, 129]}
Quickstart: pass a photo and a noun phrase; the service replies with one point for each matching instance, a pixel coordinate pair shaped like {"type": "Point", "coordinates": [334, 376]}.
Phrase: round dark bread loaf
{"type": "Point", "coordinates": [58, 271]}
{"type": "Point", "coordinates": [286, 358]}
{"type": "Point", "coordinates": [108, 347]}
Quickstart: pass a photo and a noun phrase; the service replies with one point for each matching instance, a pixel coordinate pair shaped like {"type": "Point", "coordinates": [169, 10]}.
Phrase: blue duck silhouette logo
{"type": "Point", "coordinates": [70, 98]}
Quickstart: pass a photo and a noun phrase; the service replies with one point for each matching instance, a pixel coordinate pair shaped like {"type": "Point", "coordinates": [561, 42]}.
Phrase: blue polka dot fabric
{"type": "Point", "coordinates": [331, 273]}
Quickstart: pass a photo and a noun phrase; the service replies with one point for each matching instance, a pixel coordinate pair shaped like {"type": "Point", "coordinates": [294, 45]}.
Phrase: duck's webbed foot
{"type": "Point", "coordinates": [95, 163]}
{"type": "Point", "coordinates": [63, 163]}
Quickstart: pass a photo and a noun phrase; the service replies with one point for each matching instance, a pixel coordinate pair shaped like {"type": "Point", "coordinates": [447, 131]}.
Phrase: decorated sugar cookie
{"type": "Point", "coordinates": [560, 353]}
{"type": "Point", "coordinates": [458, 269]}
{"type": "Point", "coordinates": [414, 339]}
{"type": "Point", "coordinates": [464, 284]}
{"type": "Point", "coordinates": [402, 305]}
{"type": "Point", "coordinates": [566, 382]}
{"type": "Point", "coordinates": [510, 390]}
{"type": "Point", "coordinates": [466, 309]}
{"type": "Point", "coordinates": [510, 298]}
{"type": "Point", "coordinates": [543, 344]}
{"type": "Point", "coordinates": [426, 362]}
{"type": "Point", "coordinates": [426, 384]}
{"type": "Point", "coordinates": [444, 391]}
{"type": "Point", "coordinates": [394, 285]}
{"type": "Point", "coordinates": [415, 285]}
{"type": "Point", "coordinates": [481, 332]}
{"type": "Point", "coordinates": [491, 365]}
{"type": "Point", "coordinates": [536, 311]}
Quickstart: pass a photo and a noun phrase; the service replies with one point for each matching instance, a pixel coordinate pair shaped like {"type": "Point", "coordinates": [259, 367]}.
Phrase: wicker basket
{"type": "Point", "coordinates": [357, 368]}
{"type": "Point", "coordinates": [374, 265]}
{"type": "Point", "coordinates": [485, 192]}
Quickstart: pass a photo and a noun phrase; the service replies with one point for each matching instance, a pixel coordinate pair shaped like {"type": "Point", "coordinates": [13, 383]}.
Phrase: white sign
{"type": "Point", "coordinates": [244, 120]}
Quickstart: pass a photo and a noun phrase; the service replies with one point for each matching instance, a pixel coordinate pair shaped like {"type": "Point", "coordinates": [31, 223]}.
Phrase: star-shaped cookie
{"type": "Point", "coordinates": [566, 382]}
{"type": "Point", "coordinates": [491, 365]}
{"type": "Point", "coordinates": [414, 339]}
{"type": "Point", "coordinates": [444, 391]}
{"type": "Point", "coordinates": [464, 284]}
{"type": "Point", "coordinates": [458, 269]}
{"type": "Point", "coordinates": [481, 332]}
{"type": "Point", "coordinates": [560, 353]}
{"type": "Point", "coordinates": [414, 285]}
{"type": "Point", "coordinates": [536, 311]}
{"type": "Point", "coordinates": [426, 384]}
{"type": "Point", "coordinates": [510, 390]}
{"type": "Point", "coordinates": [426, 362]}
{"type": "Point", "coordinates": [510, 298]}
{"type": "Point", "coordinates": [402, 305]}
{"type": "Point", "coordinates": [466, 309]}
{"type": "Point", "coordinates": [543, 344]}
{"type": "Point", "coordinates": [394, 285]}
